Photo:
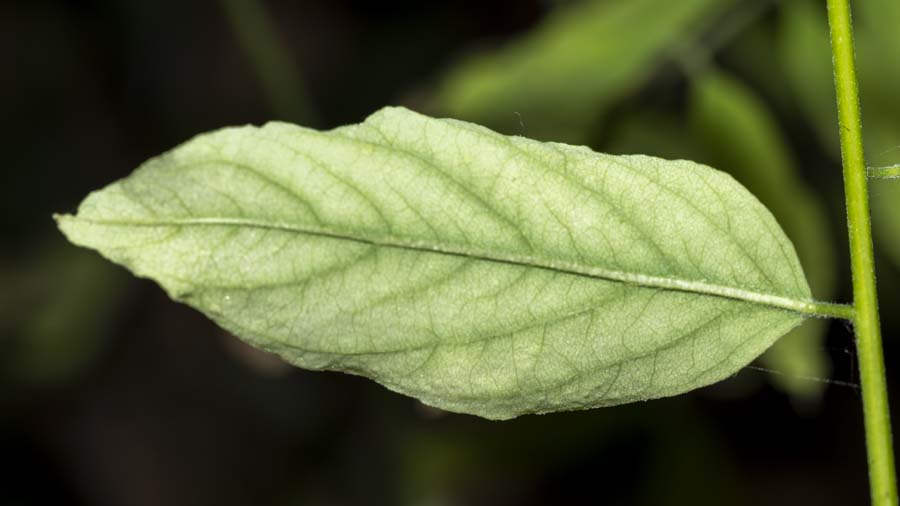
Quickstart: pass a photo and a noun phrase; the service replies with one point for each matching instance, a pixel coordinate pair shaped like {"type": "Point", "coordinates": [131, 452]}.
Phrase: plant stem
{"type": "Point", "coordinates": [831, 310]}
{"type": "Point", "coordinates": [882, 477]}
{"type": "Point", "coordinates": [892, 172]}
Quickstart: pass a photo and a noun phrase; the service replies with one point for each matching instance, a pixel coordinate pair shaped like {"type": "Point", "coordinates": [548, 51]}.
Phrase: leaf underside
{"type": "Point", "coordinates": [740, 135]}
{"type": "Point", "coordinates": [477, 272]}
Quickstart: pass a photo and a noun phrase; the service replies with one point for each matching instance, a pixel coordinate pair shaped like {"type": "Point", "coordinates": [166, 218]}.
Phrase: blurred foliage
{"type": "Point", "coordinates": [804, 46]}
{"type": "Point", "coordinates": [279, 76]}
{"type": "Point", "coordinates": [880, 78]}
{"type": "Point", "coordinates": [804, 54]}
{"type": "Point", "coordinates": [113, 395]}
{"type": "Point", "coordinates": [64, 304]}
{"type": "Point", "coordinates": [562, 78]}
{"type": "Point", "coordinates": [446, 464]}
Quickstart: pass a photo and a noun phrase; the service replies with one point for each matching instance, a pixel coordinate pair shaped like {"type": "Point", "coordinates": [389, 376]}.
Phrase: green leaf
{"type": "Point", "coordinates": [476, 272]}
{"type": "Point", "coordinates": [740, 136]}
{"type": "Point", "coordinates": [561, 77]}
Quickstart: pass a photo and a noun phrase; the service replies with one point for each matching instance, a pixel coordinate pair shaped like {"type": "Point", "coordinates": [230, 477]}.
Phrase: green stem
{"type": "Point", "coordinates": [831, 310]}
{"type": "Point", "coordinates": [882, 476]}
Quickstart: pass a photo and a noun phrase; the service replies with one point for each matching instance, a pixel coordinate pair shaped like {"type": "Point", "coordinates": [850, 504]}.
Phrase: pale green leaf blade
{"type": "Point", "coordinates": [740, 136]}
{"type": "Point", "coordinates": [479, 273]}
{"type": "Point", "coordinates": [560, 78]}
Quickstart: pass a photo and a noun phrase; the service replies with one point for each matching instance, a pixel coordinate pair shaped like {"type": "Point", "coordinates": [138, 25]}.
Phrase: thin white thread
{"type": "Point", "coordinates": [848, 384]}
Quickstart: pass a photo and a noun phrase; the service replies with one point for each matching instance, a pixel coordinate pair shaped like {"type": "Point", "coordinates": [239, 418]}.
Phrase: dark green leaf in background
{"type": "Point", "coordinates": [562, 77]}
{"type": "Point", "coordinates": [63, 308]}
{"type": "Point", "coordinates": [807, 67]}
{"type": "Point", "coordinates": [804, 54]}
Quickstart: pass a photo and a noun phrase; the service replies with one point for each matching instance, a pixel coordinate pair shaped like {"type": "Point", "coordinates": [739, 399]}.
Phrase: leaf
{"type": "Point", "coordinates": [739, 135]}
{"type": "Point", "coordinates": [479, 273]}
{"type": "Point", "coordinates": [805, 58]}
{"type": "Point", "coordinates": [562, 76]}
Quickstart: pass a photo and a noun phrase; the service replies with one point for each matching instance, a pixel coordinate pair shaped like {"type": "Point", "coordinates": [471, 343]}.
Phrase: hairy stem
{"type": "Point", "coordinates": [879, 446]}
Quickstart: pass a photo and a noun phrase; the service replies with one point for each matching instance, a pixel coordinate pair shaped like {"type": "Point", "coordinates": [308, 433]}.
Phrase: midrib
{"type": "Point", "coordinates": [804, 307]}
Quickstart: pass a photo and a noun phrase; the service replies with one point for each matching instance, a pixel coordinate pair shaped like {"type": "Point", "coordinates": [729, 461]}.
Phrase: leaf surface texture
{"type": "Point", "coordinates": [477, 272]}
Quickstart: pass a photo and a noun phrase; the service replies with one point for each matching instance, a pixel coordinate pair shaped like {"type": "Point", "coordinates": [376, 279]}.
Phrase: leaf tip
{"type": "Point", "coordinates": [66, 224]}
{"type": "Point", "coordinates": [62, 220]}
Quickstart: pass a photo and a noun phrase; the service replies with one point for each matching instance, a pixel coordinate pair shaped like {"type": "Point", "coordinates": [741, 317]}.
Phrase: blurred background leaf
{"type": "Point", "coordinates": [880, 78]}
{"type": "Point", "coordinates": [279, 77]}
{"type": "Point", "coordinates": [65, 305]}
{"type": "Point", "coordinates": [561, 79]}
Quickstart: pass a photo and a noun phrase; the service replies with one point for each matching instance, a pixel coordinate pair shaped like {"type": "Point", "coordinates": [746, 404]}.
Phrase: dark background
{"type": "Point", "coordinates": [111, 394]}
